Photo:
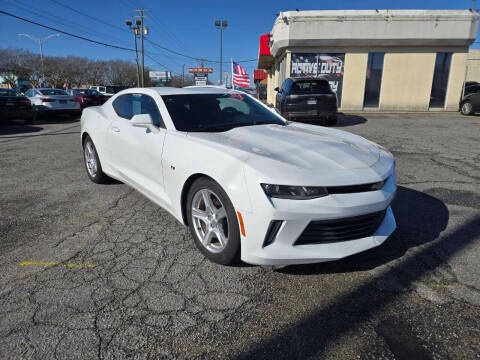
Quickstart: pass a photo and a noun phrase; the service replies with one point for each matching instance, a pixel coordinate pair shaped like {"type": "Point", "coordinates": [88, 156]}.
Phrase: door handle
{"type": "Point", "coordinates": [116, 129]}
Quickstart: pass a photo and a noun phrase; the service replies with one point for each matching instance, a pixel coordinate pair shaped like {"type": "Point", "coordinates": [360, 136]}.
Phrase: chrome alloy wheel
{"type": "Point", "coordinates": [466, 108]}
{"type": "Point", "coordinates": [90, 159]}
{"type": "Point", "coordinates": [210, 220]}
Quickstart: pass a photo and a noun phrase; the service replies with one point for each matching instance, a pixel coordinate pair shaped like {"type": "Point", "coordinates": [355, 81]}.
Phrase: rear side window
{"type": "Point", "coordinates": [311, 86]}
{"type": "Point", "coordinates": [128, 105]}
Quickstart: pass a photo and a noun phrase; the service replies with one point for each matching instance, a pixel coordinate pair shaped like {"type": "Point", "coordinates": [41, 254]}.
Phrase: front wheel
{"type": "Point", "coordinates": [467, 108]}
{"type": "Point", "coordinates": [213, 222]}
{"type": "Point", "coordinates": [92, 162]}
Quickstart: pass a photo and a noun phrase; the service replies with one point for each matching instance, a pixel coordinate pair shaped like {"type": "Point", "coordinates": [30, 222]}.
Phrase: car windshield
{"type": "Point", "coordinates": [8, 92]}
{"type": "Point", "coordinates": [313, 86]}
{"type": "Point", "coordinates": [53, 92]}
{"type": "Point", "coordinates": [217, 112]}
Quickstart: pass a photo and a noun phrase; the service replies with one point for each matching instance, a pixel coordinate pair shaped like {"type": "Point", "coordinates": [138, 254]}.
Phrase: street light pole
{"type": "Point", "coordinates": [135, 32]}
{"type": "Point", "coordinates": [40, 42]}
{"type": "Point", "coordinates": [221, 25]}
{"type": "Point", "coordinates": [143, 32]}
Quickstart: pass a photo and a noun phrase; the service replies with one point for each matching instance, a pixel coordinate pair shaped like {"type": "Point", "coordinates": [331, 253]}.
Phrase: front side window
{"type": "Point", "coordinates": [217, 112]}
{"type": "Point", "coordinates": [128, 105]}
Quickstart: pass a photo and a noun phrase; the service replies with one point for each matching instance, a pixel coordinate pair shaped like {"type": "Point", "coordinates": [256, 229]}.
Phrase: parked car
{"type": "Point", "coordinates": [88, 97]}
{"type": "Point", "coordinates": [249, 184]}
{"type": "Point", "coordinates": [53, 101]}
{"type": "Point", "coordinates": [13, 105]}
{"type": "Point", "coordinates": [108, 90]}
{"type": "Point", "coordinates": [470, 103]}
{"type": "Point", "coordinates": [307, 99]}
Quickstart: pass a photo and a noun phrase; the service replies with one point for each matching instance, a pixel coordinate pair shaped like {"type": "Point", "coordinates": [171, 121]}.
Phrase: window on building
{"type": "Point", "coordinates": [440, 80]}
{"type": "Point", "coordinates": [373, 80]}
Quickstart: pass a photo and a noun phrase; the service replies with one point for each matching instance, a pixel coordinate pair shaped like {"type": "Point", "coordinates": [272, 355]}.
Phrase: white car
{"type": "Point", "coordinates": [250, 185]}
{"type": "Point", "coordinates": [53, 101]}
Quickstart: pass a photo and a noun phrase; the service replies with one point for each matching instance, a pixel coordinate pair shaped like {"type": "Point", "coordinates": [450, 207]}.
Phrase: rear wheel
{"type": "Point", "coordinates": [213, 222]}
{"type": "Point", "coordinates": [92, 162]}
{"type": "Point", "coordinates": [467, 108]}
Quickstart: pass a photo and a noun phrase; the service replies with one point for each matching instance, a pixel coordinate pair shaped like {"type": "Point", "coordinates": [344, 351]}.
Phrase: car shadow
{"type": "Point", "coordinates": [420, 219]}
{"type": "Point", "coordinates": [312, 335]}
{"type": "Point", "coordinates": [56, 119]}
{"type": "Point", "coordinates": [14, 128]}
{"type": "Point", "coordinates": [349, 120]}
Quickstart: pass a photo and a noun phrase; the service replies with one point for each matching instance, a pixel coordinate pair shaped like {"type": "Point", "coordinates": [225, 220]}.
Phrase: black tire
{"type": "Point", "coordinates": [466, 108]}
{"type": "Point", "coordinates": [231, 252]}
{"type": "Point", "coordinates": [99, 176]}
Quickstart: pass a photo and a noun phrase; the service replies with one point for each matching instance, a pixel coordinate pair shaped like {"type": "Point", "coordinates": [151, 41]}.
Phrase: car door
{"type": "Point", "coordinates": [135, 152]}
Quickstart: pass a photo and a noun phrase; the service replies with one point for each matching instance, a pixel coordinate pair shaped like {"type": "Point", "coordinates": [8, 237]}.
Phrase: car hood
{"type": "Point", "coordinates": [295, 146]}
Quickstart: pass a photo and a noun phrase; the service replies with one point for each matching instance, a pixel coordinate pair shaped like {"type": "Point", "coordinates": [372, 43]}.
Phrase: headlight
{"type": "Point", "coordinates": [294, 192]}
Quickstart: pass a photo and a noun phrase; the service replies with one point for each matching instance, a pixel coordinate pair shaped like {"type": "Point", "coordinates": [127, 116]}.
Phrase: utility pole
{"type": "Point", "coordinates": [40, 42]}
{"type": "Point", "coordinates": [183, 74]}
{"type": "Point", "coordinates": [221, 25]}
{"type": "Point", "coordinates": [143, 32]}
{"type": "Point", "coordinates": [135, 33]}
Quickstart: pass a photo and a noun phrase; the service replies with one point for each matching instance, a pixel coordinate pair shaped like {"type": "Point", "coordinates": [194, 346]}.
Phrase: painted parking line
{"type": "Point", "coordinates": [432, 285]}
{"type": "Point", "coordinates": [56, 263]}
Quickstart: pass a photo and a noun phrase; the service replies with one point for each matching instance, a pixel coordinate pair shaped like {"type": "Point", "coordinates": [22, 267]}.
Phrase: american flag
{"type": "Point", "coordinates": [240, 76]}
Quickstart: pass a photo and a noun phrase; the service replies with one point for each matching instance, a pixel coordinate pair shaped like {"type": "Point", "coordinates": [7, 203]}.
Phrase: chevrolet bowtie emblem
{"type": "Point", "coordinates": [378, 186]}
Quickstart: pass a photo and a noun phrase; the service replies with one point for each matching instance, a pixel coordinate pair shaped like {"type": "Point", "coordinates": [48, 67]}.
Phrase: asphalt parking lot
{"type": "Point", "coordinates": [98, 271]}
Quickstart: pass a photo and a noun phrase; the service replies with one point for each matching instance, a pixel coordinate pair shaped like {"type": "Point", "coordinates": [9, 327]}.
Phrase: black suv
{"type": "Point", "coordinates": [470, 103]}
{"type": "Point", "coordinates": [307, 99]}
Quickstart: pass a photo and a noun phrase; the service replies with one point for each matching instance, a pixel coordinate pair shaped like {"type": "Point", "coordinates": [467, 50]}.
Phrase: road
{"type": "Point", "coordinates": [98, 271]}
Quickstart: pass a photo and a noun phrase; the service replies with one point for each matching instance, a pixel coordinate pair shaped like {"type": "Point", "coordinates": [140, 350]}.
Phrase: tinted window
{"type": "Point", "coordinates": [8, 92]}
{"type": "Point", "coordinates": [311, 86]}
{"type": "Point", "coordinates": [126, 106]}
{"type": "Point", "coordinates": [217, 112]}
{"type": "Point", "coordinates": [53, 92]}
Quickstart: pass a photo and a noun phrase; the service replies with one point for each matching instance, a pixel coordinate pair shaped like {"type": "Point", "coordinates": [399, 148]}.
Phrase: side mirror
{"type": "Point", "coordinates": [144, 121]}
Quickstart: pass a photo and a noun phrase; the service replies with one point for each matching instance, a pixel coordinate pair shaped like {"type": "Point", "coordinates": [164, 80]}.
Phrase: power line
{"type": "Point", "coordinates": [192, 57]}
{"type": "Point", "coordinates": [53, 18]}
{"type": "Point", "coordinates": [65, 32]}
{"type": "Point", "coordinates": [89, 16]}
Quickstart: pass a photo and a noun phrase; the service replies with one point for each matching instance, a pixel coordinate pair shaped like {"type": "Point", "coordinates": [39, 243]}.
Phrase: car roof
{"type": "Point", "coordinates": [48, 89]}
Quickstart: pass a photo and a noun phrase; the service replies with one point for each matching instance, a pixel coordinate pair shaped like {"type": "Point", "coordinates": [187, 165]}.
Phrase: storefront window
{"type": "Point", "coordinates": [321, 65]}
{"type": "Point", "coordinates": [440, 80]}
{"type": "Point", "coordinates": [373, 80]}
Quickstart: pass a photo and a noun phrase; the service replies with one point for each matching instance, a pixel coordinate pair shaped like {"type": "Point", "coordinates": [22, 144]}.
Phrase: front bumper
{"type": "Point", "coordinates": [297, 215]}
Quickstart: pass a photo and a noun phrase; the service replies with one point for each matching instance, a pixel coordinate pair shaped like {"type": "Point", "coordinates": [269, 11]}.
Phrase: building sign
{"type": "Point", "coordinates": [200, 70]}
{"type": "Point", "coordinates": [320, 65]}
{"type": "Point", "coordinates": [163, 76]}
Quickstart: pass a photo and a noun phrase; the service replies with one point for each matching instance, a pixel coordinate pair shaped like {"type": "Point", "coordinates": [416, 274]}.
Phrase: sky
{"type": "Point", "coordinates": [185, 26]}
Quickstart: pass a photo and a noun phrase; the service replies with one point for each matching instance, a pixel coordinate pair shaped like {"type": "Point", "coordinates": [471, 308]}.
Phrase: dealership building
{"type": "Point", "coordinates": [375, 60]}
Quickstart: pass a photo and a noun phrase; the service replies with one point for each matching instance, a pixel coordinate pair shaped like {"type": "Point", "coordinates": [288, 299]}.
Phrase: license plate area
{"type": "Point", "coordinates": [63, 101]}
{"type": "Point", "coordinates": [9, 103]}
{"type": "Point", "coordinates": [312, 101]}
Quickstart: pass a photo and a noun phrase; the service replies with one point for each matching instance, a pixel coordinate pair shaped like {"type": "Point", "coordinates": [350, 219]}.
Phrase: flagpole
{"type": "Point", "coordinates": [233, 86]}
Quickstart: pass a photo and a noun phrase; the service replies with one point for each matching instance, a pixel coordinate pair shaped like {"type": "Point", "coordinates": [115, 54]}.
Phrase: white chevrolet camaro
{"type": "Point", "coordinates": [248, 184]}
